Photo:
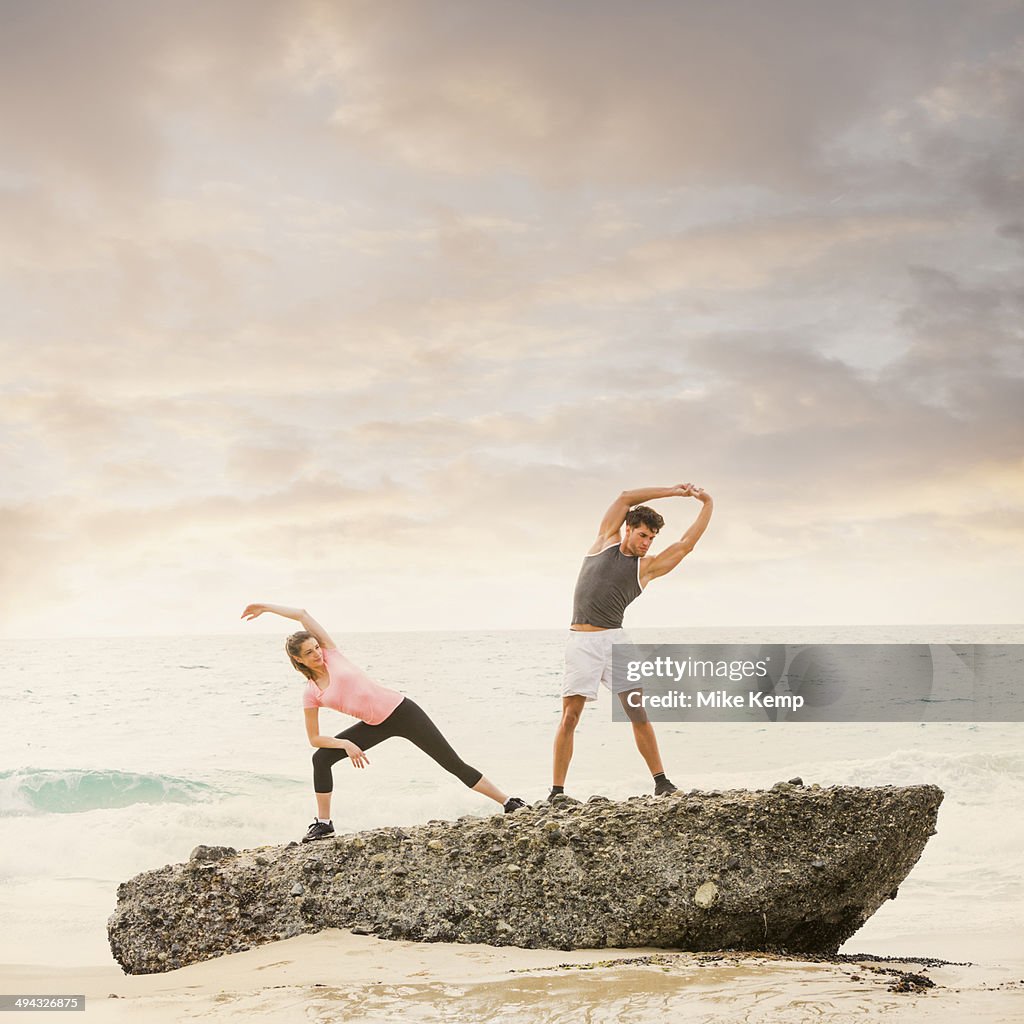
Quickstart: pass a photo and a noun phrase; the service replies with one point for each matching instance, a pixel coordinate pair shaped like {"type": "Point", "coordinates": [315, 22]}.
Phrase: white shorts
{"type": "Point", "coordinates": [588, 662]}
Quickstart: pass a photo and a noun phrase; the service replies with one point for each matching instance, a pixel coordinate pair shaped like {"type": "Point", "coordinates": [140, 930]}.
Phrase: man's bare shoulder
{"type": "Point", "coordinates": [604, 542]}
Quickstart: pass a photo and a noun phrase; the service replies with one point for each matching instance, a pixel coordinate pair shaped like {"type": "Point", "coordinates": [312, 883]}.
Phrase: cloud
{"type": "Point", "coordinates": [743, 257]}
{"type": "Point", "coordinates": [100, 98]}
{"type": "Point", "coordinates": [595, 92]}
{"type": "Point", "coordinates": [409, 291]}
{"type": "Point", "coordinates": [86, 88]}
{"type": "Point", "coordinates": [951, 139]}
{"type": "Point", "coordinates": [31, 556]}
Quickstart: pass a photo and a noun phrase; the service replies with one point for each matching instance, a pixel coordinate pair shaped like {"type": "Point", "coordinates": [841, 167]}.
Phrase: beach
{"type": "Point", "coordinates": [192, 760]}
{"type": "Point", "coordinates": [389, 313]}
{"type": "Point", "coordinates": [336, 975]}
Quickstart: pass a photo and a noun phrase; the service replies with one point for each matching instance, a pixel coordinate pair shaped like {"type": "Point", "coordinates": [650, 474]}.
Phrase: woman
{"type": "Point", "coordinates": [334, 682]}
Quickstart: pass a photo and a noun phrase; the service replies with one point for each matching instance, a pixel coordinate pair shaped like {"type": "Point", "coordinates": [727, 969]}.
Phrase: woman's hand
{"type": "Point", "coordinates": [355, 754]}
{"type": "Point", "coordinates": [254, 611]}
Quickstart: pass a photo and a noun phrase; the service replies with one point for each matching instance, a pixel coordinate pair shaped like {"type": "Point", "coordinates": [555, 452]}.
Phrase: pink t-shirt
{"type": "Point", "coordinates": [351, 691]}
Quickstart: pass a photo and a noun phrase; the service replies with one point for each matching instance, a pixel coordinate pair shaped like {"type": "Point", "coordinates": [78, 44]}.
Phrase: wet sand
{"type": "Point", "coordinates": [336, 975]}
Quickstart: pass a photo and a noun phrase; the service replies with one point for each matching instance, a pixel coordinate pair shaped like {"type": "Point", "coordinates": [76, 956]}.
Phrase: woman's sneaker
{"type": "Point", "coordinates": [513, 803]}
{"type": "Point", "coordinates": [318, 830]}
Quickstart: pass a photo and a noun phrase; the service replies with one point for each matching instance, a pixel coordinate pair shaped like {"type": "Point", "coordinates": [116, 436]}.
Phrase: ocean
{"type": "Point", "coordinates": [118, 755]}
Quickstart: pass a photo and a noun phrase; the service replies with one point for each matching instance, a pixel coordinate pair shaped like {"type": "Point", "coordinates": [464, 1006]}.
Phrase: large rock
{"type": "Point", "coordinates": [792, 869]}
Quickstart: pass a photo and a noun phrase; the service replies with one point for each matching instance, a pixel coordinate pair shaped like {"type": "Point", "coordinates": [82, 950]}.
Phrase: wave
{"type": "Point", "coordinates": [71, 791]}
{"type": "Point", "coordinates": [970, 774]}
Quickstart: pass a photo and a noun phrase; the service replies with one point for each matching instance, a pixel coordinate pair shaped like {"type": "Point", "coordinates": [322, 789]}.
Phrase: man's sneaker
{"type": "Point", "coordinates": [561, 798]}
{"type": "Point", "coordinates": [513, 803]}
{"type": "Point", "coordinates": [318, 830]}
{"type": "Point", "coordinates": [663, 787]}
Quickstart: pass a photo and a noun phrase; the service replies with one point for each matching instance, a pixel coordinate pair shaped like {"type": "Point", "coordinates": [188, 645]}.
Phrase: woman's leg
{"type": "Point", "coordinates": [488, 788]}
{"type": "Point", "coordinates": [412, 722]}
{"type": "Point", "coordinates": [363, 736]}
{"type": "Point", "coordinates": [323, 805]}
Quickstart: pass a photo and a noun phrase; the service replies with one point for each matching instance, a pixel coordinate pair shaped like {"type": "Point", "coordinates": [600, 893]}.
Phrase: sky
{"type": "Point", "coordinates": [375, 308]}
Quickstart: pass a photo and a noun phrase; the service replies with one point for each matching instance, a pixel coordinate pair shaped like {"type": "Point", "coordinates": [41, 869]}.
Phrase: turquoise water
{"type": "Point", "coordinates": [120, 755]}
{"type": "Point", "coordinates": [69, 791]}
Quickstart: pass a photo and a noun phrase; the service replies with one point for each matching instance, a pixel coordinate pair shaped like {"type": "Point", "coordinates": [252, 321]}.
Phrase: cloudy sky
{"type": "Point", "coordinates": [374, 307]}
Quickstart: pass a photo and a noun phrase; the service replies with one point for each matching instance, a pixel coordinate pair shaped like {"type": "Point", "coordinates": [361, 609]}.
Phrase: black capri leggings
{"type": "Point", "coordinates": [408, 720]}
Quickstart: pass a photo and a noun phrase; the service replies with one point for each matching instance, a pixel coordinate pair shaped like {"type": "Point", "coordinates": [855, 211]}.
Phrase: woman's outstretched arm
{"type": "Point", "coordinates": [300, 615]}
{"type": "Point", "coordinates": [355, 753]}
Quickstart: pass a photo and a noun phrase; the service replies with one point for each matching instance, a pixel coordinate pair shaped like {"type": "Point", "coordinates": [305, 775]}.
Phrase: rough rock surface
{"type": "Point", "coordinates": [793, 869]}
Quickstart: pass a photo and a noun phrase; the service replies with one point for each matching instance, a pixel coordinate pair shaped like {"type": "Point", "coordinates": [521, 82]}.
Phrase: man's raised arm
{"type": "Point", "coordinates": [668, 559]}
{"type": "Point", "coordinates": [613, 519]}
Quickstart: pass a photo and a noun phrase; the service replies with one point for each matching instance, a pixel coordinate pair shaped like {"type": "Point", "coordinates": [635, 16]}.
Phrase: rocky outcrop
{"type": "Point", "coordinates": [793, 869]}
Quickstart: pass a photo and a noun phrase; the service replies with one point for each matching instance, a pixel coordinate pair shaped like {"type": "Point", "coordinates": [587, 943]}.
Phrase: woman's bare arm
{"type": "Point", "coordinates": [355, 753]}
{"type": "Point", "coordinates": [300, 615]}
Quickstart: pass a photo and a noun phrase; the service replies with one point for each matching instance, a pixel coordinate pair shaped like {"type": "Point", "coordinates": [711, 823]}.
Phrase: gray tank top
{"type": "Point", "coordinates": [608, 581]}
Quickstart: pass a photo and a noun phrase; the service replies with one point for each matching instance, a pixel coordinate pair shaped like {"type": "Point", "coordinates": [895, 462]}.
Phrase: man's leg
{"type": "Point", "coordinates": [643, 733]}
{"type": "Point", "coordinates": [646, 743]}
{"type": "Point", "coordinates": [572, 708]}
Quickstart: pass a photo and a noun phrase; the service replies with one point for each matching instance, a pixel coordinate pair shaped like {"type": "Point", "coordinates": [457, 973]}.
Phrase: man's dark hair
{"type": "Point", "coordinates": [647, 516]}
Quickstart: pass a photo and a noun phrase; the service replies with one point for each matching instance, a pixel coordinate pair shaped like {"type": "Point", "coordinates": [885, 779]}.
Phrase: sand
{"type": "Point", "coordinates": [336, 975]}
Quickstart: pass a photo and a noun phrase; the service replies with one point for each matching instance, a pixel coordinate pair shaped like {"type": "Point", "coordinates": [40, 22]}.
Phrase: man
{"type": "Point", "coordinates": [615, 571]}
